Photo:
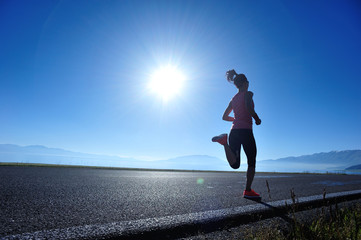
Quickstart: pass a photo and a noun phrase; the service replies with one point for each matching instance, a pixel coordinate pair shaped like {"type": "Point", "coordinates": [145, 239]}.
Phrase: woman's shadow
{"type": "Point", "coordinates": [275, 211]}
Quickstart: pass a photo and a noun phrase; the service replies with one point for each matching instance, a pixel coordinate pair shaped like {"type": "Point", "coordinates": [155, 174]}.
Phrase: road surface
{"type": "Point", "coordinates": [44, 198]}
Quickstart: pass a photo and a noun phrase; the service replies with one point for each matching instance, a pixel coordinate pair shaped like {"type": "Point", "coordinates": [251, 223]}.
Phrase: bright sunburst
{"type": "Point", "coordinates": [167, 82]}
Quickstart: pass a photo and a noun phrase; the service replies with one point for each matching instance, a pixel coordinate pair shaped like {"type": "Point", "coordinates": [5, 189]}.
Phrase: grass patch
{"type": "Point", "coordinates": [18, 164]}
{"type": "Point", "coordinates": [332, 223]}
{"type": "Point", "coordinates": [354, 170]}
{"type": "Point", "coordinates": [21, 164]}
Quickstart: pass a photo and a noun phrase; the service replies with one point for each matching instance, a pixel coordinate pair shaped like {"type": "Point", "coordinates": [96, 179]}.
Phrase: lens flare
{"type": "Point", "coordinates": [200, 181]}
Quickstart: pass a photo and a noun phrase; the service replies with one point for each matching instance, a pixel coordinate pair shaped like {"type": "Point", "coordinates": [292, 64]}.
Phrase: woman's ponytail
{"type": "Point", "coordinates": [237, 79]}
{"type": "Point", "coordinates": [230, 75]}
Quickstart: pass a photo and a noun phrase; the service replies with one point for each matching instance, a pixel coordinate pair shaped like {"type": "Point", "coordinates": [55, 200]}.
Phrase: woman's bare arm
{"type": "Point", "coordinates": [250, 107]}
{"type": "Point", "coordinates": [226, 113]}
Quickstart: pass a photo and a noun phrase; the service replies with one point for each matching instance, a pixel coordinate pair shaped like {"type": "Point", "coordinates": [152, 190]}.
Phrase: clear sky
{"type": "Point", "coordinates": [75, 74]}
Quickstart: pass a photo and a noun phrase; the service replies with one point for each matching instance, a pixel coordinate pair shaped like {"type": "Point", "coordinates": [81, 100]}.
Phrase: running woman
{"type": "Point", "coordinates": [241, 132]}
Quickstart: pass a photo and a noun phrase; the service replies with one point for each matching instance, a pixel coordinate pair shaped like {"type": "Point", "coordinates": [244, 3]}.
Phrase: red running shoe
{"type": "Point", "coordinates": [221, 139]}
{"type": "Point", "coordinates": [251, 194]}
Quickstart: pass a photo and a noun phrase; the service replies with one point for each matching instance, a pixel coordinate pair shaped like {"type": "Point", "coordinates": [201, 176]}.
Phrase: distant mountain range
{"type": "Point", "coordinates": [349, 160]}
{"type": "Point", "coordinates": [45, 155]}
{"type": "Point", "coordinates": [318, 162]}
{"type": "Point", "coordinates": [356, 167]}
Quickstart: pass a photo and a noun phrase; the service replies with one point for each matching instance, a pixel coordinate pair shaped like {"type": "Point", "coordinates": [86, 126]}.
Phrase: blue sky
{"type": "Point", "coordinates": [74, 75]}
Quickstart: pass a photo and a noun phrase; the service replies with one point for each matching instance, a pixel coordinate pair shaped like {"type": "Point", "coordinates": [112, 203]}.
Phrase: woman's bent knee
{"type": "Point", "coordinates": [235, 166]}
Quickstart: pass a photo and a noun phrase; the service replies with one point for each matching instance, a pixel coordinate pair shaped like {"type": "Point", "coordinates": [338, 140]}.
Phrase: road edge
{"type": "Point", "coordinates": [171, 227]}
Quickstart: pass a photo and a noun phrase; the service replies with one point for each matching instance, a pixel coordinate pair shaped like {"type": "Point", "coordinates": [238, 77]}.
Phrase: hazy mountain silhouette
{"type": "Point", "coordinates": [322, 162]}
{"type": "Point", "coordinates": [45, 155]}
{"type": "Point", "coordinates": [331, 161]}
{"type": "Point", "coordinates": [356, 167]}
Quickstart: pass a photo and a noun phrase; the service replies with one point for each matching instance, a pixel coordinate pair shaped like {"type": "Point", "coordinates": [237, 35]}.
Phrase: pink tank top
{"type": "Point", "coordinates": [243, 119]}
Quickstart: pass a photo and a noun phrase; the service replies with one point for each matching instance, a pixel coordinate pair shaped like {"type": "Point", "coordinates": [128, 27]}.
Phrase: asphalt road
{"type": "Point", "coordinates": [39, 198]}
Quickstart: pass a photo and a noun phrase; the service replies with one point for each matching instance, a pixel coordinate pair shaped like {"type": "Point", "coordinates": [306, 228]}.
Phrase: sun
{"type": "Point", "coordinates": [167, 82]}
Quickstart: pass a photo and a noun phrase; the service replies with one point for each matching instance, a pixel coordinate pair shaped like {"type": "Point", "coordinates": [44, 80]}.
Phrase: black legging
{"type": "Point", "coordinates": [239, 137]}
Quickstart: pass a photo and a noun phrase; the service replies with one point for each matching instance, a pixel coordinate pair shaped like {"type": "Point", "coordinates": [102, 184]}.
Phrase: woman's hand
{"type": "Point", "coordinates": [258, 121]}
{"type": "Point", "coordinates": [229, 119]}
